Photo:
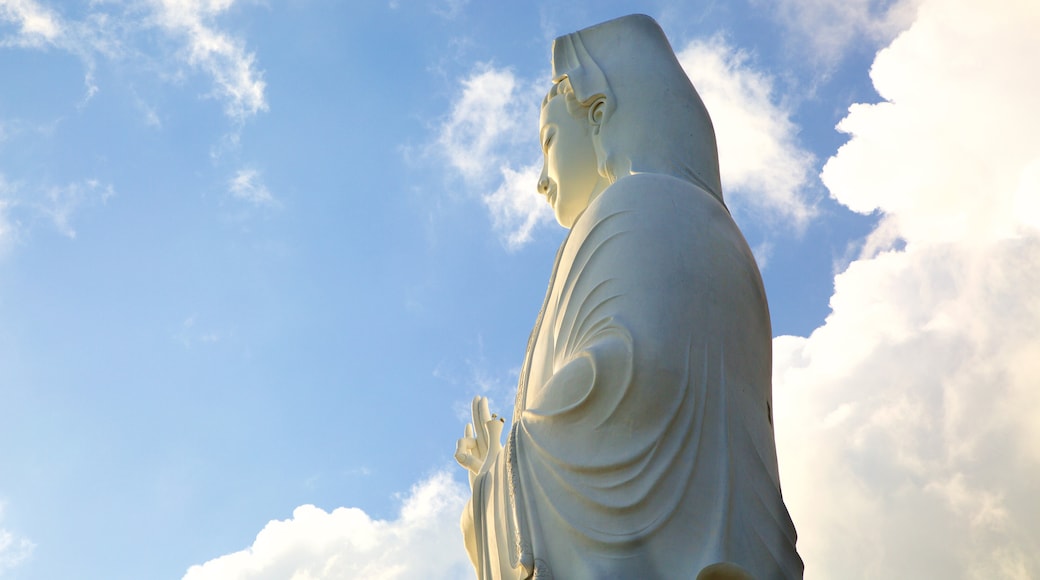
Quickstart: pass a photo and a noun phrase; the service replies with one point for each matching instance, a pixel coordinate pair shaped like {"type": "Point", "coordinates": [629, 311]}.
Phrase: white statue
{"type": "Point", "coordinates": [642, 441]}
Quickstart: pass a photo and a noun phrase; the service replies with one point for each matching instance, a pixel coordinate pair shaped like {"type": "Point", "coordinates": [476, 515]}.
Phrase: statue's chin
{"type": "Point", "coordinates": [566, 216]}
{"type": "Point", "coordinates": [565, 221]}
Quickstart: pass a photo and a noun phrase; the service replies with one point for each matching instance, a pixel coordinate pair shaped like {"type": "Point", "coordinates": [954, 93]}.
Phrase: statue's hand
{"type": "Point", "coordinates": [477, 451]}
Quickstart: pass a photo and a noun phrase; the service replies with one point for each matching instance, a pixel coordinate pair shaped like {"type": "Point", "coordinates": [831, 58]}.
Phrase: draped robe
{"type": "Point", "coordinates": [641, 444]}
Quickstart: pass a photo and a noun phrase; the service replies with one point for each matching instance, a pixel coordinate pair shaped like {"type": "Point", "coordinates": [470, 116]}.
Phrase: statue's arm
{"type": "Point", "coordinates": [477, 451]}
{"type": "Point", "coordinates": [570, 392]}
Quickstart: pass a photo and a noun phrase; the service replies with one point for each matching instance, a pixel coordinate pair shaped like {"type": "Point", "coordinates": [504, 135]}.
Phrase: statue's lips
{"type": "Point", "coordinates": [550, 196]}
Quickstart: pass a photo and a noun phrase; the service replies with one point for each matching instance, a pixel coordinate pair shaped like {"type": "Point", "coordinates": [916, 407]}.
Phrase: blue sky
{"type": "Point", "coordinates": [257, 256]}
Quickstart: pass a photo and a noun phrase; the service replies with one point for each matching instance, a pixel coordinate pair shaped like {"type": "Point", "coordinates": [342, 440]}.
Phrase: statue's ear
{"type": "Point", "coordinates": [597, 114]}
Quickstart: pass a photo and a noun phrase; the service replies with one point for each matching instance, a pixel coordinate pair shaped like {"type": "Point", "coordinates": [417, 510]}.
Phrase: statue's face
{"type": "Point", "coordinates": [569, 178]}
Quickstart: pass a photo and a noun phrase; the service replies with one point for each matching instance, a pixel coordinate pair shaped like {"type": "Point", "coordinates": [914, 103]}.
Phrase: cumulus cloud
{"type": "Point", "coordinates": [763, 168]}
{"type": "Point", "coordinates": [494, 123]}
{"type": "Point", "coordinates": [423, 542]}
{"type": "Point", "coordinates": [952, 151]}
{"type": "Point", "coordinates": [216, 52]}
{"type": "Point", "coordinates": [906, 424]}
{"type": "Point", "coordinates": [247, 186]}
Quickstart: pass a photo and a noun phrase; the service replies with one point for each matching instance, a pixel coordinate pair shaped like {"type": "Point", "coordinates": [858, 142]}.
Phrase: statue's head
{"type": "Point", "coordinates": [623, 88]}
{"type": "Point", "coordinates": [570, 179]}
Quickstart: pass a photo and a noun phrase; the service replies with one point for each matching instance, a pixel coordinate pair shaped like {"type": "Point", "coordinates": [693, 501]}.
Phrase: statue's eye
{"type": "Point", "coordinates": [548, 141]}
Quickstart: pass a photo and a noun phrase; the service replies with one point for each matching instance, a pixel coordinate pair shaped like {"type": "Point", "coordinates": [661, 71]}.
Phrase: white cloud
{"type": "Point", "coordinates": [216, 52]}
{"type": "Point", "coordinates": [493, 123]}
{"type": "Point", "coordinates": [762, 166]}
{"type": "Point", "coordinates": [37, 25]}
{"type": "Point", "coordinates": [248, 186]}
{"type": "Point", "coordinates": [906, 424]}
{"type": "Point", "coordinates": [423, 542]}
{"type": "Point", "coordinates": [516, 209]}
{"type": "Point", "coordinates": [14, 549]}
{"type": "Point", "coordinates": [483, 123]}
{"type": "Point", "coordinates": [956, 133]}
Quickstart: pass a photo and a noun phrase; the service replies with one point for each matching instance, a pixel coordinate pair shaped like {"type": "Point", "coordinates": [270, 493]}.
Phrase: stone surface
{"type": "Point", "coordinates": [641, 444]}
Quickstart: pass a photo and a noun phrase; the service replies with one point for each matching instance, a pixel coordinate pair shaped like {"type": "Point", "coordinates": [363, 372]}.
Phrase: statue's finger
{"type": "Point", "coordinates": [465, 444]}
{"type": "Point", "coordinates": [475, 410]}
{"type": "Point", "coordinates": [478, 425]}
{"type": "Point", "coordinates": [485, 413]}
{"type": "Point", "coordinates": [469, 431]}
{"type": "Point", "coordinates": [485, 417]}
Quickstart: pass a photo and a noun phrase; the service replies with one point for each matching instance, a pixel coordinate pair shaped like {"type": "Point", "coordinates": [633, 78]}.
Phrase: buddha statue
{"type": "Point", "coordinates": [641, 443]}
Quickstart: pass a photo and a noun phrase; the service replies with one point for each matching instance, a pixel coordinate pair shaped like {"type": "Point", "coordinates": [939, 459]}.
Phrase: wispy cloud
{"type": "Point", "coordinates": [906, 424]}
{"type": "Point", "coordinates": [107, 28]}
{"type": "Point", "coordinates": [248, 186]}
{"type": "Point", "coordinates": [20, 206]}
{"type": "Point", "coordinates": [216, 52]}
{"type": "Point", "coordinates": [763, 167]}
{"type": "Point", "coordinates": [827, 28]}
{"type": "Point", "coordinates": [39, 27]}
{"type": "Point", "coordinates": [61, 203]}
{"type": "Point", "coordinates": [423, 542]}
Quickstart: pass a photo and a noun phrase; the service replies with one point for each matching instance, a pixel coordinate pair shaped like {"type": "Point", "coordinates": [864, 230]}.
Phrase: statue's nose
{"type": "Point", "coordinates": [543, 183]}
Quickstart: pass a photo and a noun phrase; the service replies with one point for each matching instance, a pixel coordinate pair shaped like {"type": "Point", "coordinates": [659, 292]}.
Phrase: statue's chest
{"type": "Point", "coordinates": [541, 358]}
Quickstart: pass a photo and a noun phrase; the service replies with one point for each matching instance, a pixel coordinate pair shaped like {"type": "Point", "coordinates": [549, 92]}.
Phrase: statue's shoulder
{"type": "Point", "coordinates": [658, 197]}
{"type": "Point", "coordinates": [661, 212]}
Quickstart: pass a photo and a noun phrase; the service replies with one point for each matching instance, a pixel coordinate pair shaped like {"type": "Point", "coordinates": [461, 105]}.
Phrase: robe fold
{"type": "Point", "coordinates": [641, 444]}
